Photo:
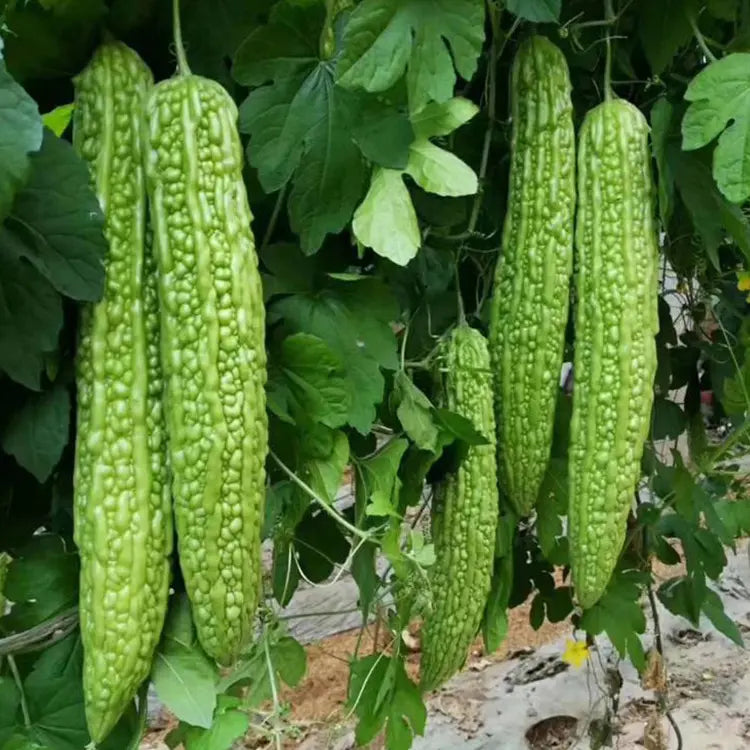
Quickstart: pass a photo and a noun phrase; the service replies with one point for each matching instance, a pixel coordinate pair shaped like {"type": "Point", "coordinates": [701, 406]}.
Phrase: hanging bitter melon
{"type": "Point", "coordinates": [531, 295]}
{"type": "Point", "coordinates": [465, 516]}
{"type": "Point", "coordinates": [123, 517]}
{"type": "Point", "coordinates": [213, 352]}
{"type": "Point", "coordinates": [615, 351]}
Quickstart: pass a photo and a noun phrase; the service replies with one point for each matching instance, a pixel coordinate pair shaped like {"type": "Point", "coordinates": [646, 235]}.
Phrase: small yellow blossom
{"type": "Point", "coordinates": [743, 281]}
{"type": "Point", "coordinates": [576, 653]}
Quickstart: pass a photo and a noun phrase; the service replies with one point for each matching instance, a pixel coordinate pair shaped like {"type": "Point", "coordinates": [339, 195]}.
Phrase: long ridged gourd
{"type": "Point", "coordinates": [123, 517]}
{"type": "Point", "coordinates": [465, 516]}
{"type": "Point", "coordinates": [615, 351]}
{"type": "Point", "coordinates": [213, 353]}
{"type": "Point", "coordinates": [531, 297]}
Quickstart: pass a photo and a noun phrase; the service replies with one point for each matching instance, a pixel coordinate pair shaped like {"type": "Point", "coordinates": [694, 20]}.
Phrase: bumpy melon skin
{"type": "Point", "coordinates": [531, 294]}
{"type": "Point", "coordinates": [615, 351]}
{"type": "Point", "coordinates": [123, 517]}
{"type": "Point", "coordinates": [213, 353]}
{"type": "Point", "coordinates": [465, 517]}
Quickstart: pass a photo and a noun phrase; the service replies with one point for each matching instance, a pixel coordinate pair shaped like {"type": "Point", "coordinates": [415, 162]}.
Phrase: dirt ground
{"type": "Point", "coordinates": [318, 702]}
{"type": "Point", "coordinates": [317, 713]}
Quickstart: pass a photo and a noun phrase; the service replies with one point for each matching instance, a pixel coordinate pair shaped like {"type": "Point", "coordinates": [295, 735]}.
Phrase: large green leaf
{"type": "Point", "coordinates": [42, 582]}
{"type": "Point", "coordinates": [184, 677]}
{"type": "Point", "coordinates": [56, 222]}
{"type": "Point", "coordinates": [664, 27]}
{"type": "Point", "coordinates": [305, 128]}
{"type": "Point", "coordinates": [720, 106]}
{"type": "Point", "coordinates": [353, 318]}
{"type": "Point", "coordinates": [538, 11]}
{"type": "Point", "coordinates": [37, 433]}
{"type": "Point", "coordinates": [30, 319]}
{"type": "Point", "coordinates": [309, 382]}
{"type": "Point", "coordinates": [425, 38]}
{"type": "Point", "coordinates": [20, 135]}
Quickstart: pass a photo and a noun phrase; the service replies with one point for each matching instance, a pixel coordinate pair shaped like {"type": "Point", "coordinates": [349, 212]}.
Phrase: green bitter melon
{"type": "Point", "coordinates": [123, 517]}
{"type": "Point", "coordinates": [213, 352]}
{"type": "Point", "coordinates": [465, 516]}
{"type": "Point", "coordinates": [615, 352]}
{"type": "Point", "coordinates": [531, 296]}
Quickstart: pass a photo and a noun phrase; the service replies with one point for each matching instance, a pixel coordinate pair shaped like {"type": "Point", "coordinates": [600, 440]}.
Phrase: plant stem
{"type": "Point", "coordinates": [322, 503]}
{"type": "Point", "coordinates": [660, 649]}
{"type": "Point", "coordinates": [19, 685]}
{"type": "Point", "coordinates": [274, 690]}
{"type": "Point", "coordinates": [700, 39]}
{"type": "Point", "coordinates": [40, 636]}
{"type": "Point", "coordinates": [182, 62]}
{"type": "Point", "coordinates": [610, 16]}
{"type": "Point", "coordinates": [274, 218]}
{"type": "Point", "coordinates": [495, 53]}
{"type": "Point", "coordinates": [459, 297]}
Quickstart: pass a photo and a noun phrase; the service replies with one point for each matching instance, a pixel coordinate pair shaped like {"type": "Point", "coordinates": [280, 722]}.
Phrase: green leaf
{"type": "Point", "coordinates": [661, 121]}
{"type": "Point", "coordinates": [442, 118]}
{"type": "Point", "coordinates": [713, 608]}
{"type": "Point", "coordinates": [354, 320]}
{"type": "Point", "coordinates": [720, 95]}
{"type": "Point", "coordinates": [495, 621]}
{"type": "Point", "coordinates": [551, 505]}
{"type": "Point", "coordinates": [20, 135]}
{"type": "Point", "coordinates": [213, 31]}
{"type": "Point", "coordinates": [365, 678]}
{"type": "Point", "coordinates": [380, 691]}
{"type": "Point", "coordinates": [227, 727]}
{"type": "Point", "coordinates": [684, 597]}
{"type": "Point", "coordinates": [58, 119]}
{"type": "Point", "coordinates": [56, 223]}
{"type": "Point", "coordinates": [439, 171]}
{"type": "Point", "coordinates": [290, 659]}
{"type": "Point", "coordinates": [379, 480]}
{"type": "Point", "coordinates": [415, 411]}
{"type": "Point", "coordinates": [30, 319]}
{"type": "Point", "coordinates": [44, 45]}
{"type": "Point", "coordinates": [10, 702]}
{"type": "Point", "coordinates": [42, 582]}
{"type": "Point", "coordinates": [309, 382]}
{"type": "Point", "coordinates": [669, 419]}
{"type": "Point", "coordinates": [726, 10]}
{"type": "Point", "coordinates": [183, 676]}
{"type": "Point", "coordinates": [323, 472]}
{"type": "Point", "coordinates": [382, 132]}
{"type": "Point", "coordinates": [712, 215]}
{"type": "Point", "coordinates": [536, 11]}
{"type": "Point", "coordinates": [386, 220]}
{"type": "Point", "coordinates": [664, 28]}
{"type": "Point", "coordinates": [37, 433]}
{"type": "Point", "coordinates": [305, 128]}
{"type": "Point", "coordinates": [459, 427]}
{"type": "Point", "coordinates": [424, 37]}
{"type": "Point", "coordinates": [54, 696]}
{"type": "Point", "coordinates": [619, 614]}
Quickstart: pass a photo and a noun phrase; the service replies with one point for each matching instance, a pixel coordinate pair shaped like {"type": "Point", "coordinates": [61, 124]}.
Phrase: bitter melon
{"type": "Point", "coordinates": [213, 352]}
{"type": "Point", "coordinates": [615, 352]}
{"type": "Point", "coordinates": [465, 516]}
{"type": "Point", "coordinates": [531, 297]}
{"type": "Point", "coordinates": [123, 517]}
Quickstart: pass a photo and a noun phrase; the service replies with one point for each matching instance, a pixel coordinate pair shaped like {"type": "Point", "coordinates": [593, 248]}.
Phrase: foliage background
{"type": "Point", "coordinates": [377, 147]}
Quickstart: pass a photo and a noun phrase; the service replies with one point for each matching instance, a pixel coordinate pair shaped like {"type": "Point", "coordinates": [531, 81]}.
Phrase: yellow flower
{"type": "Point", "coordinates": [743, 281]}
{"type": "Point", "coordinates": [576, 653]}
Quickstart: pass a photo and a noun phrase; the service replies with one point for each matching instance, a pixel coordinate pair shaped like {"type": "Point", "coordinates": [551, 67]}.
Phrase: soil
{"type": "Point", "coordinates": [525, 697]}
